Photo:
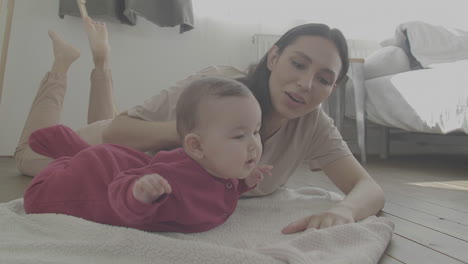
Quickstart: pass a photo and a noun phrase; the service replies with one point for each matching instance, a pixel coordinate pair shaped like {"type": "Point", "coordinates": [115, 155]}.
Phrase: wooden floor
{"type": "Point", "coordinates": [427, 199]}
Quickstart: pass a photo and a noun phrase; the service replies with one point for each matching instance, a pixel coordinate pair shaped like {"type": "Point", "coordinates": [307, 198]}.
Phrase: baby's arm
{"type": "Point", "coordinates": [135, 205]}
{"type": "Point", "coordinates": [150, 187]}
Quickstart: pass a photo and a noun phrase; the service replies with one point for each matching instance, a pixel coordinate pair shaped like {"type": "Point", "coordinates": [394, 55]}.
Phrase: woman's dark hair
{"type": "Point", "coordinates": [258, 75]}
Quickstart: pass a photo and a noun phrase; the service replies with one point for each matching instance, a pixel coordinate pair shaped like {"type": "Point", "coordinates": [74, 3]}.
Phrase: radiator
{"type": "Point", "coordinates": [262, 43]}
{"type": "Point", "coordinates": [358, 48]}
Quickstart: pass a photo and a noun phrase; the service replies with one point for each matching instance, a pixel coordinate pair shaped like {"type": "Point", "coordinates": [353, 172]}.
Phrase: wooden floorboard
{"type": "Point", "coordinates": [386, 259]}
{"type": "Point", "coordinates": [430, 208]}
{"type": "Point", "coordinates": [410, 252]}
{"type": "Point", "coordinates": [436, 223]}
{"type": "Point", "coordinates": [398, 185]}
{"type": "Point", "coordinates": [434, 240]}
{"type": "Point", "coordinates": [455, 200]}
{"type": "Point", "coordinates": [430, 221]}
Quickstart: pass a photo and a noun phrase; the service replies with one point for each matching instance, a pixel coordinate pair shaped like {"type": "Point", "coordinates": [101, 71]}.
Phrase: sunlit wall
{"type": "Point", "coordinates": [367, 19]}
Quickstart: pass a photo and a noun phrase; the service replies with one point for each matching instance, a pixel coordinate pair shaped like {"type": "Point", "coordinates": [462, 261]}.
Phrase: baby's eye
{"type": "Point", "coordinates": [238, 137]}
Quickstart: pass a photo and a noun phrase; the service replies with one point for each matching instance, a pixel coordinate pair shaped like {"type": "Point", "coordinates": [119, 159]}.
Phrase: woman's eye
{"type": "Point", "coordinates": [256, 132]}
{"type": "Point", "coordinates": [323, 81]}
{"type": "Point", "coordinates": [238, 137]}
{"type": "Point", "coordinates": [298, 65]}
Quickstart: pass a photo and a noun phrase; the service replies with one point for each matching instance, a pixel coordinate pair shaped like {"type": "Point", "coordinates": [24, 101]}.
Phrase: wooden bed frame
{"type": "Point", "coordinates": [7, 31]}
{"type": "Point", "coordinates": [6, 40]}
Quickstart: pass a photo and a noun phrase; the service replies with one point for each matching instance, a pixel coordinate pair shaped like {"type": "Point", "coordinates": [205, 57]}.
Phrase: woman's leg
{"type": "Point", "coordinates": [101, 108]}
{"type": "Point", "coordinates": [47, 106]}
{"type": "Point", "coordinates": [46, 112]}
{"type": "Point", "coordinates": [101, 97]}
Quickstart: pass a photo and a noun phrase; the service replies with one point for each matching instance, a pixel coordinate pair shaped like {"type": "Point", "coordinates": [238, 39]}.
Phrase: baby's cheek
{"type": "Point", "coordinates": [259, 149]}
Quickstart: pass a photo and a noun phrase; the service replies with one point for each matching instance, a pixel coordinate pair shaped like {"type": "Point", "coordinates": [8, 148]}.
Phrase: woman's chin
{"type": "Point", "coordinates": [296, 113]}
{"type": "Point", "coordinates": [290, 114]}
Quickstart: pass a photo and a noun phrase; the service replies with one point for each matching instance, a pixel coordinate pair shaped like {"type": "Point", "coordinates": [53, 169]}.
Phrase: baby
{"type": "Point", "coordinates": [189, 189]}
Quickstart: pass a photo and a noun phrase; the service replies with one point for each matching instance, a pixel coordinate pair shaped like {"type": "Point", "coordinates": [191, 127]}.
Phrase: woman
{"type": "Point", "coordinates": [290, 82]}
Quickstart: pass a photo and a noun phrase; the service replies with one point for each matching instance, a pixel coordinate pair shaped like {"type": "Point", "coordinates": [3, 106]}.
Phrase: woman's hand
{"type": "Point", "coordinates": [337, 215]}
{"type": "Point", "coordinates": [257, 175]}
{"type": "Point", "coordinates": [150, 187]}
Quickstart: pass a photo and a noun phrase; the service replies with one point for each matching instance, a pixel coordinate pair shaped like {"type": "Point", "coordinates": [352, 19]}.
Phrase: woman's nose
{"type": "Point", "coordinates": [305, 81]}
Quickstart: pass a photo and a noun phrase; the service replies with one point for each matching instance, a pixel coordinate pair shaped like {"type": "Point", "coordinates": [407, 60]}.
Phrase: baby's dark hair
{"type": "Point", "coordinates": [187, 112]}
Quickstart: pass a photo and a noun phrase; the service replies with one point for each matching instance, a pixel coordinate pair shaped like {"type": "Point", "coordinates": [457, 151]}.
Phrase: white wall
{"type": "Point", "coordinates": [362, 19]}
{"type": "Point", "coordinates": [147, 58]}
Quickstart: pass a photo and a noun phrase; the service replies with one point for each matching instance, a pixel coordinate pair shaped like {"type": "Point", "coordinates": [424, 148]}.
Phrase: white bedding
{"type": "Point", "coordinates": [431, 44]}
{"type": "Point", "coordinates": [430, 100]}
{"type": "Point", "coordinates": [251, 235]}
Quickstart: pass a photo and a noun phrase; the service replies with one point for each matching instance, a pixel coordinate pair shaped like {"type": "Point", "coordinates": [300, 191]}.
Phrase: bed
{"type": "Point", "coordinates": [416, 82]}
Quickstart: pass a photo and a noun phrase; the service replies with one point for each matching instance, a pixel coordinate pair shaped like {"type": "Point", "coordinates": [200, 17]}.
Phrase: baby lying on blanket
{"type": "Point", "coordinates": [189, 189]}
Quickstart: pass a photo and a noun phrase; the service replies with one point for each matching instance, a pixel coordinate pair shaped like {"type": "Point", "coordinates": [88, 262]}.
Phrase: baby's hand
{"type": "Point", "coordinates": [148, 188]}
{"type": "Point", "coordinates": [257, 175]}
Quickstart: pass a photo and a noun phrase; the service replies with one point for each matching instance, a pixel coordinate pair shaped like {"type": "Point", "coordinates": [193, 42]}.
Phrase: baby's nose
{"type": "Point", "coordinates": [251, 147]}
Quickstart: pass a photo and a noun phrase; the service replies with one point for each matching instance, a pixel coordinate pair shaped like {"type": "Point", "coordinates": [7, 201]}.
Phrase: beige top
{"type": "Point", "coordinates": [312, 138]}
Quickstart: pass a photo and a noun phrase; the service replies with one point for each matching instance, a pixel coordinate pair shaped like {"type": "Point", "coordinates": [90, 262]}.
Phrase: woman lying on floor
{"type": "Point", "coordinates": [290, 82]}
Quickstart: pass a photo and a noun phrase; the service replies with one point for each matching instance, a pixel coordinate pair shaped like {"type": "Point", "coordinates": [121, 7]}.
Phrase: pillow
{"type": "Point", "coordinates": [436, 44]}
{"type": "Point", "coordinates": [388, 42]}
{"type": "Point", "coordinates": [386, 61]}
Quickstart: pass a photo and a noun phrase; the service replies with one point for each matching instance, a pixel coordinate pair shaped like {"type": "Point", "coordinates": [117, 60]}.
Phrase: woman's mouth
{"type": "Point", "coordinates": [295, 97]}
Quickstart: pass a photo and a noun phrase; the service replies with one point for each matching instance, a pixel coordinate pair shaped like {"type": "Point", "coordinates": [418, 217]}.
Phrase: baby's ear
{"type": "Point", "coordinates": [192, 145]}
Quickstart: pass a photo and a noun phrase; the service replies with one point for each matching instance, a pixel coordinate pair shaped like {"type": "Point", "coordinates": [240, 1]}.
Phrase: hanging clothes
{"type": "Point", "coordinates": [109, 10]}
{"type": "Point", "coordinates": [164, 13]}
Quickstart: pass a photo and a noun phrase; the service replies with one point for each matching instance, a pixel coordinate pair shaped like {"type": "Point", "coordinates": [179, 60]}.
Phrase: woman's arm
{"type": "Point", "coordinates": [140, 134]}
{"type": "Point", "coordinates": [364, 197]}
{"type": "Point", "coordinates": [145, 135]}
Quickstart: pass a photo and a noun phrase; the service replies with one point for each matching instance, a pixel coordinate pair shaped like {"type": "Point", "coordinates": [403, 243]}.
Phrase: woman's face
{"type": "Point", "coordinates": [302, 76]}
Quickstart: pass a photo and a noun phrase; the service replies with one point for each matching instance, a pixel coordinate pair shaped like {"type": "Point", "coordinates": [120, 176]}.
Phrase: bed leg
{"type": "Point", "coordinates": [357, 71]}
{"type": "Point", "coordinates": [340, 105]}
{"type": "Point", "coordinates": [361, 127]}
{"type": "Point", "coordinates": [384, 141]}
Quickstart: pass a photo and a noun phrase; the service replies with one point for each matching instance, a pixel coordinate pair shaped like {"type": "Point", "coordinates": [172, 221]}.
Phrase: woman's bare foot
{"type": "Point", "coordinates": [64, 53]}
{"type": "Point", "coordinates": [97, 36]}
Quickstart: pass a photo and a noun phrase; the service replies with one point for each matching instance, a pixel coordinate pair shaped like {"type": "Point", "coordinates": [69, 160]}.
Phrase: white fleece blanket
{"type": "Point", "coordinates": [251, 235]}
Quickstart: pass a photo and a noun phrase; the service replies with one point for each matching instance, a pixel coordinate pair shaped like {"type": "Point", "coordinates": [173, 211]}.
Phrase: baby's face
{"type": "Point", "coordinates": [229, 134]}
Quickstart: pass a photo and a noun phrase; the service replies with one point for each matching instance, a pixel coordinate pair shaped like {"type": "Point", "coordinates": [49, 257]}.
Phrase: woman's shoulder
{"type": "Point", "coordinates": [314, 119]}
{"type": "Point", "coordinates": [210, 71]}
{"type": "Point", "coordinates": [301, 127]}
{"type": "Point", "coordinates": [222, 71]}
{"type": "Point", "coordinates": [313, 125]}
{"type": "Point", "coordinates": [161, 106]}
